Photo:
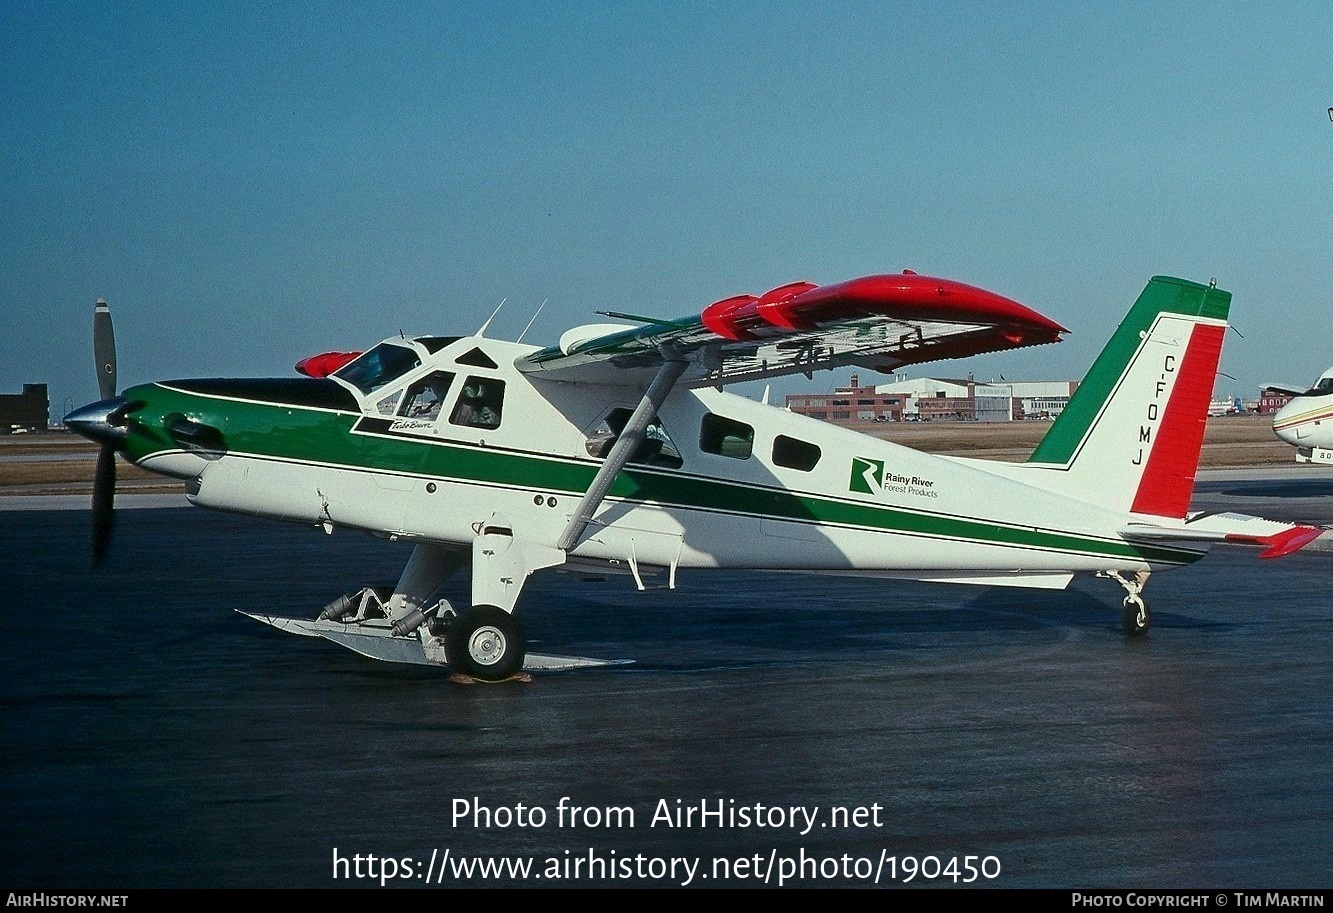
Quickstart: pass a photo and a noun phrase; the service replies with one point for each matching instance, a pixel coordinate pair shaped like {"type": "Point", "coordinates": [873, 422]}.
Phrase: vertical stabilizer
{"type": "Point", "coordinates": [1131, 435]}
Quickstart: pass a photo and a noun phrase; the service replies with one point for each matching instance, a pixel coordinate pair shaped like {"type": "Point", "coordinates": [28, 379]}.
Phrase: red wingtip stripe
{"type": "Point", "coordinates": [325, 363]}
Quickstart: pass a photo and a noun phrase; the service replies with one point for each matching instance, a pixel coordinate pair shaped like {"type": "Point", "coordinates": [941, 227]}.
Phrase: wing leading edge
{"type": "Point", "coordinates": [876, 322]}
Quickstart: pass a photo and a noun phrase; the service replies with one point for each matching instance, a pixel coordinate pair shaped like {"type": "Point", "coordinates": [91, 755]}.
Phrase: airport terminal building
{"type": "Point", "coordinates": [26, 411]}
{"type": "Point", "coordinates": [929, 399]}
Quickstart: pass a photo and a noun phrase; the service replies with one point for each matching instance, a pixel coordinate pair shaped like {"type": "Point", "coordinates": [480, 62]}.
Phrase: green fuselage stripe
{"type": "Point", "coordinates": [293, 433]}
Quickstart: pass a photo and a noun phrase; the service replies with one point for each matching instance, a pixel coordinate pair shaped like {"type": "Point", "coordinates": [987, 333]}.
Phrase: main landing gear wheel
{"type": "Point", "coordinates": [486, 643]}
{"type": "Point", "coordinates": [1135, 617]}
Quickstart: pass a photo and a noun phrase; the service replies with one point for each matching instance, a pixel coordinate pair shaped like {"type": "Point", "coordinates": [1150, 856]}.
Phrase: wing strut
{"type": "Point", "coordinates": [673, 366]}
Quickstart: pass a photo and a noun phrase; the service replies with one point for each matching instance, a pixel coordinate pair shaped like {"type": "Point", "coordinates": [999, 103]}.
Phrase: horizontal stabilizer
{"type": "Point", "coordinates": [1276, 538]}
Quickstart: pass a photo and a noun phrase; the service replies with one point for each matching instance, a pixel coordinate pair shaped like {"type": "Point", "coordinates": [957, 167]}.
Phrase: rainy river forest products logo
{"type": "Point", "coordinates": [869, 477]}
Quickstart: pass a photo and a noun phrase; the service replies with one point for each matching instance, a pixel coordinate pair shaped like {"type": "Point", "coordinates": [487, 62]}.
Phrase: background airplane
{"type": "Point", "coordinates": [617, 449]}
{"type": "Point", "coordinates": [1306, 422]}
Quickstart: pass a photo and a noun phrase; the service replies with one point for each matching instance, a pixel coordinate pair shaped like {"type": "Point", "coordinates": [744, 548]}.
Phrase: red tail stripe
{"type": "Point", "coordinates": [1168, 479]}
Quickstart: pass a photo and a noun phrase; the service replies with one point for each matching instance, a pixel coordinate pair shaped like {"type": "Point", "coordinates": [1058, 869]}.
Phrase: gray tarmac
{"type": "Point", "coordinates": [152, 737]}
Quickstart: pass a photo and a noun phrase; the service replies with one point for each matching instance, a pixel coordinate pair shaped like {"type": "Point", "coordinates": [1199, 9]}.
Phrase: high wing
{"type": "Point", "coordinates": [1289, 389]}
{"type": "Point", "coordinates": [876, 322]}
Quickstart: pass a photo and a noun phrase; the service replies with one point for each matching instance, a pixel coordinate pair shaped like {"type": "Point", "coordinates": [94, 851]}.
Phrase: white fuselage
{"type": "Point", "coordinates": [1306, 422]}
{"type": "Point", "coordinates": [781, 492]}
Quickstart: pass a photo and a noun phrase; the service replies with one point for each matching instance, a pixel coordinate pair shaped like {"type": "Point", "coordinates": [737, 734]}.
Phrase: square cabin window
{"type": "Point", "coordinates": [479, 404]}
{"type": "Point", "coordinates": [656, 449]}
{"type": "Point", "coordinates": [795, 454]}
{"type": "Point", "coordinates": [726, 437]}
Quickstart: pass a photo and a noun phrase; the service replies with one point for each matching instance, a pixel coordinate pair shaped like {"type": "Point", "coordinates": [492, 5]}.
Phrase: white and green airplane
{"type": "Point", "coordinates": [618, 449]}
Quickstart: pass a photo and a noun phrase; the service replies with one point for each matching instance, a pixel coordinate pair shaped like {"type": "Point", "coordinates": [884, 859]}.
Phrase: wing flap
{"type": "Point", "coordinates": [881, 322]}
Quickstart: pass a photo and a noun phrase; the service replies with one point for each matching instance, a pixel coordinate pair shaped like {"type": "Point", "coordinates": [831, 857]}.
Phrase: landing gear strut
{"type": "Point", "coordinates": [1134, 617]}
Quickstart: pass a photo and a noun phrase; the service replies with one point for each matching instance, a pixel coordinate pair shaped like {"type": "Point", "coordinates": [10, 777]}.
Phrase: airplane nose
{"type": "Point", "coordinates": [102, 422]}
{"type": "Point", "coordinates": [1285, 432]}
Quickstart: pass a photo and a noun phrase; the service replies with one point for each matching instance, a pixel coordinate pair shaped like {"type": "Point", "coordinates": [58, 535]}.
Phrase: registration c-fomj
{"type": "Point", "coordinates": [672, 813]}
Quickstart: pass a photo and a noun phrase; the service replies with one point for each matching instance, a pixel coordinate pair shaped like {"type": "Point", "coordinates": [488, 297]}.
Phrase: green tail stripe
{"type": "Point", "coordinates": [1163, 294]}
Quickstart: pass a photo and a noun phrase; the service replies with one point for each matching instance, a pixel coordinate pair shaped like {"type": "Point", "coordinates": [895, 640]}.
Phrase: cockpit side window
{"type": "Point", "coordinates": [657, 448]}
{"type": "Point", "coordinates": [480, 403]}
{"type": "Point", "coordinates": [425, 397]}
{"type": "Point", "coordinates": [381, 365]}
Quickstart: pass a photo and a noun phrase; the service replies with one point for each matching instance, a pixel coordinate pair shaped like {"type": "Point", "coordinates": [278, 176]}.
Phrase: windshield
{"type": "Point", "coordinates": [382, 364]}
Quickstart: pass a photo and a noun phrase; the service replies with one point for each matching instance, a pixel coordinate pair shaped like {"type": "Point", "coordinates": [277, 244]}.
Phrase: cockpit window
{"type": "Point", "coordinates": [656, 449]}
{"type": "Point", "coordinates": [1325, 385]}
{"type": "Point", "coordinates": [381, 365]}
{"type": "Point", "coordinates": [480, 403]}
{"type": "Point", "coordinates": [425, 397]}
{"type": "Point", "coordinates": [385, 406]}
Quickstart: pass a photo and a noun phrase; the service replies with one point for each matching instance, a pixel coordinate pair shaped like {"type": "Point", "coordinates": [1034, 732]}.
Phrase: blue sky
{"type": "Point", "coordinates": [249, 184]}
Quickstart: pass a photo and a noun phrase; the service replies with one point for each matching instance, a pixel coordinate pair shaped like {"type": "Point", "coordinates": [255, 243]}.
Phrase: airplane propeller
{"type": "Point", "coordinates": [104, 496]}
{"type": "Point", "coordinates": [104, 483]}
{"type": "Point", "coordinates": [104, 349]}
{"type": "Point", "coordinates": [104, 423]}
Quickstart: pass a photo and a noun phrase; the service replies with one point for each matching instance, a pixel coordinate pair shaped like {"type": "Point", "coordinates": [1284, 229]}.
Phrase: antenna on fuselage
{"type": "Point", "coordinates": [764, 398]}
{"type": "Point", "coordinates": [481, 333]}
{"type": "Point", "coordinates": [531, 322]}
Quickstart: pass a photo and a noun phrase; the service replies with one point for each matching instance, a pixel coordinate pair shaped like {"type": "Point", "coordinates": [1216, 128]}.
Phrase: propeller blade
{"type": "Point", "coordinates": [104, 349]}
{"type": "Point", "coordinates": [104, 494]}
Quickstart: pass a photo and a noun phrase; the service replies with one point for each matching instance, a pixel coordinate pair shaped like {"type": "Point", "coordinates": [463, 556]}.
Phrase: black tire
{"type": "Point", "coordinates": [1135, 617]}
{"type": "Point", "coordinates": [486, 643]}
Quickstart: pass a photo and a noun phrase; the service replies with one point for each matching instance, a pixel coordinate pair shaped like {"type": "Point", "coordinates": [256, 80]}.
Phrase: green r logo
{"type": "Point", "coordinates": [867, 476]}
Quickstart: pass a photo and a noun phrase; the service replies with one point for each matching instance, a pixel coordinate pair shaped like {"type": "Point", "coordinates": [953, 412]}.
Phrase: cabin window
{"type": "Point", "coordinates": [657, 448]}
{"type": "Point", "coordinates": [425, 397]}
{"type": "Point", "coordinates": [794, 454]}
{"type": "Point", "coordinates": [726, 437]}
{"type": "Point", "coordinates": [479, 404]}
{"type": "Point", "coordinates": [381, 365]}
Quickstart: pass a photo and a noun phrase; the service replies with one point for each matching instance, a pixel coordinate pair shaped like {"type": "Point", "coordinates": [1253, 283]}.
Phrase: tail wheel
{"type": "Point", "coordinates": [1135, 617]}
{"type": "Point", "coordinates": [486, 643]}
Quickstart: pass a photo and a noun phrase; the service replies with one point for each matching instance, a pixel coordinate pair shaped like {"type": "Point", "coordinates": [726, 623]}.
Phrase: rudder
{"type": "Point", "coordinates": [1131, 434]}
